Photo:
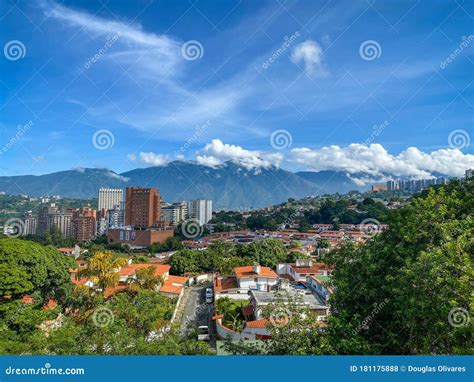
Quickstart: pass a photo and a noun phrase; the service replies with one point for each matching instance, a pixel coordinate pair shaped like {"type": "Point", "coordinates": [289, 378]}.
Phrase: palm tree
{"type": "Point", "coordinates": [103, 268]}
{"type": "Point", "coordinates": [145, 278]}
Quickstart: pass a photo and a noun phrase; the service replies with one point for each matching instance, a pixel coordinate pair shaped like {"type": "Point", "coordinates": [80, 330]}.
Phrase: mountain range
{"type": "Point", "coordinates": [230, 186]}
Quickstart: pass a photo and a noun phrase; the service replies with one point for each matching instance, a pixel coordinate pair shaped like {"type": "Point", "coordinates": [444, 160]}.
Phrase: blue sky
{"type": "Point", "coordinates": [373, 86]}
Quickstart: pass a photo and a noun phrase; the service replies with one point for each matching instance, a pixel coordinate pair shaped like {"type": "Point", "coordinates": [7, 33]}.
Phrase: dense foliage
{"type": "Point", "coordinates": [133, 321]}
{"type": "Point", "coordinates": [412, 283]}
{"type": "Point", "coordinates": [27, 267]}
{"type": "Point", "coordinates": [223, 257]}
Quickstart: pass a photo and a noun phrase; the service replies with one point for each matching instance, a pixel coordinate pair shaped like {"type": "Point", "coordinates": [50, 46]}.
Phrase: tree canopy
{"type": "Point", "coordinates": [26, 267]}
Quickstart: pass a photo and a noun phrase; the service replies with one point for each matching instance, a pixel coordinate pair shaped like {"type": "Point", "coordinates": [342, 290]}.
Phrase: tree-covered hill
{"type": "Point", "coordinates": [410, 289]}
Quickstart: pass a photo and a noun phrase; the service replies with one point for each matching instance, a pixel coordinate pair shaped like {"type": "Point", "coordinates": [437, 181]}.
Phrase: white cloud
{"type": "Point", "coordinates": [150, 158]}
{"type": "Point", "coordinates": [208, 161]}
{"type": "Point", "coordinates": [155, 53]}
{"type": "Point", "coordinates": [373, 161]}
{"type": "Point", "coordinates": [217, 152]}
{"type": "Point", "coordinates": [376, 161]}
{"type": "Point", "coordinates": [113, 175]}
{"type": "Point", "coordinates": [311, 54]}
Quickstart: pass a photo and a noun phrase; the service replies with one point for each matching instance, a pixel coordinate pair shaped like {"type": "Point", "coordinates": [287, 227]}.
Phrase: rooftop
{"type": "Point", "coordinates": [312, 300]}
{"type": "Point", "coordinates": [248, 271]}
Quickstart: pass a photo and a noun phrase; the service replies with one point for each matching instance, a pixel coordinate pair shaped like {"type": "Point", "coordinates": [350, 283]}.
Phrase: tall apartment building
{"type": "Point", "coordinates": [174, 213]}
{"type": "Point", "coordinates": [201, 210]}
{"type": "Point", "coordinates": [110, 198]}
{"type": "Point", "coordinates": [116, 217]}
{"type": "Point", "coordinates": [30, 224]}
{"type": "Point", "coordinates": [45, 209]}
{"type": "Point", "coordinates": [84, 223]}
{"type": "Point", "coordinates": [142, 207]}
{"type": "Point", "coordinates": [62, 219]}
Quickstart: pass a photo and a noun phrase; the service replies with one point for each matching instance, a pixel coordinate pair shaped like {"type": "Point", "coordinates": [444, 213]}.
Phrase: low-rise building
{"type": "Point", "coordinates": [139, 237]}
{"type": "Point", "coordinates": [300, 270]}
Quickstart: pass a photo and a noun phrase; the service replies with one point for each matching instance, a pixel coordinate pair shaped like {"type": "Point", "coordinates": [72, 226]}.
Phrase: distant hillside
{"type": "Point", "coordinates": [230, 186]}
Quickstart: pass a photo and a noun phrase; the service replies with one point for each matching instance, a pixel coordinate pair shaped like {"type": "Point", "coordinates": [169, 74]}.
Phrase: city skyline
{"type": "Point", "coordinates": [302, 87]}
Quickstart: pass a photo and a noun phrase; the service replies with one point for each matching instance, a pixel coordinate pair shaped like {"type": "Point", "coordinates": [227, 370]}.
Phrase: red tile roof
{"type": "Point", "coordinates": [171, 279]}
{"type": "Point", "coordinates": [248, 271]}
{"type": "Point", "coordinates": [51, 304]}
{"type": "Point", "coordinates": [81, 281]}
{"type": "Point", "coordinates": [260, 324]}
{"type": "Point", "coordinates": [168, 288]}
{"type": "Point", "coordinates": [109, 292]}
{"type": "Point", "coordinates": [27, 299]}
{"type": "Point", "coordinates": [129, 270]}
{"type": "Point", "coordinates": [225, 283]}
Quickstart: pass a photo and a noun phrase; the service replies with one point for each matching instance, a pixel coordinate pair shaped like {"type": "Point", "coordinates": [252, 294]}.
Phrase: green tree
{"type": "Point", "coordinates": [145, 279]}
{"type": "Point", "coordinates": [26, 267]}
{"type": "Point", "coordinates": [183, 261]}
{"type": "Point", "coordinates": [102, 269]}
{"type": "Point", "coordinates": [411, 281]}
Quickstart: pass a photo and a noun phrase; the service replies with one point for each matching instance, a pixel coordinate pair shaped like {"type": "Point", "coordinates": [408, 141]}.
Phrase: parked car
{"type": "Point", "coordinates": [209, 295]}
{"type": "Point", "coordinates": [203, 333]}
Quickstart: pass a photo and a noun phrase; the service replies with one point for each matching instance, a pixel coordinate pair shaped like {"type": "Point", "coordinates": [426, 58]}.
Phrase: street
{"type": "Point", "coordinates": [197, 312]}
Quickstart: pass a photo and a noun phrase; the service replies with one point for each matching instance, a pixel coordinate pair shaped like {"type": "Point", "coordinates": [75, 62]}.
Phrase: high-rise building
{"type": "Point", "coordinates": [201, 210]}
{"type": "Point", "coordinates": [391, 185]}
{"type": "Point", "coordinates": [116, 217]}
{"type": "Point", "coordinates": [174, 213]}
{"type": "Point", "coordinates": [142, 207]}
{"type": "Point", "coordinates": [61, 218]}
{"type": "Point", "coordinates": [110, 198]}
{"type": "Point", "coordinates": [30, 224]}
{"type": "Point", "coordinates": [45, 209]}
{"type": "Point", "coordinates": [84, 223]}
{"type": "Point", "coordinates": [469, 173]}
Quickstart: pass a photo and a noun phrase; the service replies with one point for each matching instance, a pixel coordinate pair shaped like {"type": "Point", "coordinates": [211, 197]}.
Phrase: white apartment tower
{"type": "Point", "coordinates": [174, 213]}
{"type": "Point", "coordinates": [201, 210]}
{"type": "Point", "coordinates": [110, 198]}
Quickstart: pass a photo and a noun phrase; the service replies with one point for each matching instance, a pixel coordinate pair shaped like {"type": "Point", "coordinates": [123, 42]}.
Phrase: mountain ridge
{"type": "Point", "coordinates": [230, 185]}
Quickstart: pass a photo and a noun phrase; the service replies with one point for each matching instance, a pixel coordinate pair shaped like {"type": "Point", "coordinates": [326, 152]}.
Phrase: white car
{"type": "Point", "coordinates": [209, 295]}
{"type": "Point", "coordinates": [203, 333]}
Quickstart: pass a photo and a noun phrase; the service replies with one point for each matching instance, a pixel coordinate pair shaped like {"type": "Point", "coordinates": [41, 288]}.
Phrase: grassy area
{"type": "Point", "coordinates": [232, 311]}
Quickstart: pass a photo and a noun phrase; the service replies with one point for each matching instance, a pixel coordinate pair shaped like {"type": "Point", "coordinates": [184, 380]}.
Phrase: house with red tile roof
{"type": "Point", "coordinates": [173, 286]}
{"type": "Point", "coordinates": [129, 271]}
{"type": "Point", "coordinates": [244, 279]}
{"type": "Point", "coordinates": [303, 268]}
{"type": "Point", "coordinates": [255, 277]}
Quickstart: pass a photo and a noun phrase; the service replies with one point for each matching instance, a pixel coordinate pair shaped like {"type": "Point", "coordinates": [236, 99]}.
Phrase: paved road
{"type": "Point", "coordinates": [196, 311]}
